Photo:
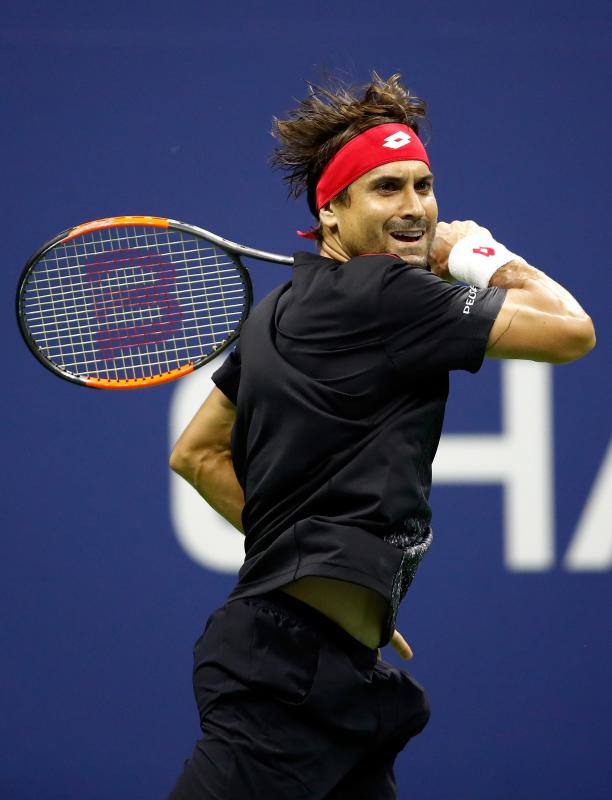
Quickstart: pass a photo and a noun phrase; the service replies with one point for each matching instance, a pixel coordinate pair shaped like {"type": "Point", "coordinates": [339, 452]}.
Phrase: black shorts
{"type": "Point", "coordinates": [292, 707]}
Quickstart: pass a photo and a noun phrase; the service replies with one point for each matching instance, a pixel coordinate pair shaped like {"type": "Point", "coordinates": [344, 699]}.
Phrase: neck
{"type": "Point", "coordinates": [332, 248]}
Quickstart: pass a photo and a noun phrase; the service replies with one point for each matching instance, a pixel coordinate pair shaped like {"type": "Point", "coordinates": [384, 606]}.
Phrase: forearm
{"type": "Point", "coordinates": [213, 477]}
{"type": "Point", "coordinates": [540, 320]}
{"type": "Point", "coordinates": [550, 295]}
{"type": "Point", "coordinates": [203, 457]}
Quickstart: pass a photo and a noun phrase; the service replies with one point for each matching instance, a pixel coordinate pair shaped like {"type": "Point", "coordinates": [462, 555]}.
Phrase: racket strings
{"type": "Point", "coordinates": [109, 301]}
{"type": "Point", "coordinates": [133, 302]}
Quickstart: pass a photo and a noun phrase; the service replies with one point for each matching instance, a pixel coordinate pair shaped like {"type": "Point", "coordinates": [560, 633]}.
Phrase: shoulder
{"type": "Point", "coordinates": [398, 274]}
{"type": "Point", "coordinates": [372, 266]}
{"type": "Point", "coordinates": [269, 301]}
{"type": "Point", "coordinates": [318, 273]}
{"type": "Point", "coordinates": [304, 261]}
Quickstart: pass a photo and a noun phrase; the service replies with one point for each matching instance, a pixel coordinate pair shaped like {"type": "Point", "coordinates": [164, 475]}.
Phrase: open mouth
{"type": "Point", "coordinates": [408, 236]}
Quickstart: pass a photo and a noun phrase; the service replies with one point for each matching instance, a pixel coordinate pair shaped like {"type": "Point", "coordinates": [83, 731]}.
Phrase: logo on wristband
{"type": "Point", "coordinates": [484, 251]}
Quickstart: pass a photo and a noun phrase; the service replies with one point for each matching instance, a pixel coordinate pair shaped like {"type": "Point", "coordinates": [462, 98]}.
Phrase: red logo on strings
{"type": "Point", "coordinates": [144, 313]}
{"type": "Point", "coordinates": [484, 251]}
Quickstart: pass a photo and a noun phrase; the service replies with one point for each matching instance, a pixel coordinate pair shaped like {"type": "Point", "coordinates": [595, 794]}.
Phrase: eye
{"type": "Point", "coordinates": [424, 185]}
{"type": "Point", "coordinates": [387, 186]}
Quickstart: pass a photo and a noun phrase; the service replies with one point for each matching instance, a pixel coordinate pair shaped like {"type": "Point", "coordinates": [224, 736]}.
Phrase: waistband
{"type": "Point", "coordinates": [359, 653]}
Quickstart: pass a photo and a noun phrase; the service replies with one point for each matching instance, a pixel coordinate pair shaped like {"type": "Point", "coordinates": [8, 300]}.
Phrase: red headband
{"type": "Point", "coordinates": [378, 145]}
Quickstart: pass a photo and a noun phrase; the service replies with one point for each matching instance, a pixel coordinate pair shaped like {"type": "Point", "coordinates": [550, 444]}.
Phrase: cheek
{"type": "Point", "coordinates": [370, 233]}
{"type": "Point", "coordinates": [432, 209]}
{"type": "Point", "coordinates": [358, 229]}
{"type": "Point", "coordinates": [363, 227]}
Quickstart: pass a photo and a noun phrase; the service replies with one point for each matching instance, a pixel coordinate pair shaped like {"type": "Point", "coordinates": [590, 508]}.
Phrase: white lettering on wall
{"type": "Point", "coordinates": [591, 547]}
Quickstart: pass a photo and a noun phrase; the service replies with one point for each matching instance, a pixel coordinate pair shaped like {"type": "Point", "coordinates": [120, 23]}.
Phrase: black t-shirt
{"type": "Point", "coordinates": [340, 383]}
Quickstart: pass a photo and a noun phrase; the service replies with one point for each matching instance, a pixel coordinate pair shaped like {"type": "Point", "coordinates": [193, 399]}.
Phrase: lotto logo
{"type": "Point", "coordinates": [484, 251]}
{"type": "Point", "coordinates": [397, 140]}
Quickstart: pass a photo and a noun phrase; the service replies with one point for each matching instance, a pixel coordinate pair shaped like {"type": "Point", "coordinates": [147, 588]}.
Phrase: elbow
{"type": "Point", "coordinates": [590, 340]}
{"type": "Point", "coordinates": [579, 340]}
{"type": "Point", "coordinates": [181, 461]}
{"type": "Point", "coordinates": [175, 461]}
{"type": "Point", "coordinates": [190, 464]}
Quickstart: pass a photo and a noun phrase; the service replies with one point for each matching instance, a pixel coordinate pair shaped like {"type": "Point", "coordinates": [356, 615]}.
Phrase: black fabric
{"type": "Point", "coordinates": [430, 326]}
{"type": "Point", "coordinates": [293, 707]}
{"type": "Point", "coordinates": [227, 377]}
{"type": "Point", "coordinates": [340, 383]}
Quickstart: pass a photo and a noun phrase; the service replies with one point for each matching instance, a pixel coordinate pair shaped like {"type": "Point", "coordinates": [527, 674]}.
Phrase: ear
{"type": "Point", "coordinates": [327, 216]}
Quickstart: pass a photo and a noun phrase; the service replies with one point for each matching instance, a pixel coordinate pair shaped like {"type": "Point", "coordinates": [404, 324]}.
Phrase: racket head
{"type": "Point", "coordinates": [132, 301]}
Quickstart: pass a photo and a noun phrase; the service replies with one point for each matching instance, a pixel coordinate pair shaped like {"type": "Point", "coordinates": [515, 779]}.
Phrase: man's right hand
{"type": "Point", "coordinates": [447, 235]}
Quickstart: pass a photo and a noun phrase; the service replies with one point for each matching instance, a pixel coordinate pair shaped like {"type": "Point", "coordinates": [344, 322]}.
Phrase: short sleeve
{"type": "Point", "coordinates": [227, 377]}
{"type": "Point", "coordinates": [430, 325]}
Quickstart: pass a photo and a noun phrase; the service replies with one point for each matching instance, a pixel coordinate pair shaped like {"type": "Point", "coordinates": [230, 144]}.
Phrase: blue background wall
{"type": "Point", "coordinates": [165, 109]}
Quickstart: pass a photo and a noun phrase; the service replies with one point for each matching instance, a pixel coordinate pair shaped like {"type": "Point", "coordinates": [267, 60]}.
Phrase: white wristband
{"type": "Point", "coordinates": [476, 257]}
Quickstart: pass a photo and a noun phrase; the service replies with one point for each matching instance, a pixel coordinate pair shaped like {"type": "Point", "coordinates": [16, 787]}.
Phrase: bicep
{"type": "Point", "coordinates": [210, 431]}
{"type": "Point", "coordinates": [524, 331]}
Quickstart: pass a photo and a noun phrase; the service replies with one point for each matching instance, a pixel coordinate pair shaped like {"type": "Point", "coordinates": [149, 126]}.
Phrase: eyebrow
{"type": "Point", "coordinates": [427, 176]}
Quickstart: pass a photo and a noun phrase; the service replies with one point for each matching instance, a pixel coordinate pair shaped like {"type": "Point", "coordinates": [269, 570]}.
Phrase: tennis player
{"type": "Point", "coordinates": [317, 443]}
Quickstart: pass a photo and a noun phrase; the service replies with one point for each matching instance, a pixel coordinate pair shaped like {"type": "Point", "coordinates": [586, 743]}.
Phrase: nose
{"type": "Point", "coordinates": [411, 205]}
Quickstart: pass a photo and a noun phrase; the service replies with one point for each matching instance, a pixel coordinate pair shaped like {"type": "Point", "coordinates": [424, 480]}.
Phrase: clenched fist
{"type": "Point", "coordinates": [447, 235]}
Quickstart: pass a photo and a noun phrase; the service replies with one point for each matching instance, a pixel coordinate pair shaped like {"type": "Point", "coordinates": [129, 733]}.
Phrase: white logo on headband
{"type": "Point", "coordinates": [397, 140]}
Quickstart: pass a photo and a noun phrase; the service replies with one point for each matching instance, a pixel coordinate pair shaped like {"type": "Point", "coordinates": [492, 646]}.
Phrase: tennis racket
{"type": "Point", "coordinates": [133, 301]}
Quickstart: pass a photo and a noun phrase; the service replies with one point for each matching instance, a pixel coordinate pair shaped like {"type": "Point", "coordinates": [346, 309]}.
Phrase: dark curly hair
{"type": "Point", "coordinates": [327, 118]}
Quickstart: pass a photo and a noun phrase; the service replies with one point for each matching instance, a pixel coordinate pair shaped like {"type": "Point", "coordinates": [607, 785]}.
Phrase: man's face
{"type": "Point", "coordinates": [391, 209]}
